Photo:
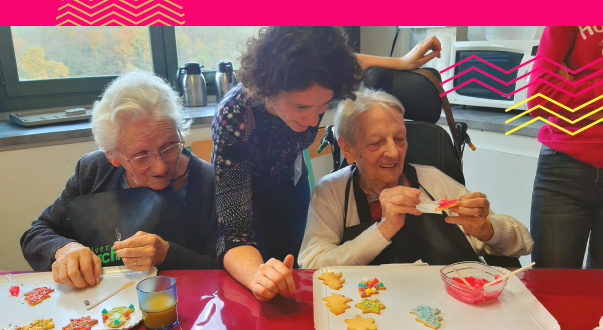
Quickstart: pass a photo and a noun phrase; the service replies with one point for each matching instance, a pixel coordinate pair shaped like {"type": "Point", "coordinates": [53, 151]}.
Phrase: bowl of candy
{"type": "Point", "coordinates": [469, 282]}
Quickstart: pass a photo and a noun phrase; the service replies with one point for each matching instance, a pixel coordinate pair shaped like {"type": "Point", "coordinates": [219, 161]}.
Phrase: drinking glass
{"type": "Point", "coordinates": [158, 298]}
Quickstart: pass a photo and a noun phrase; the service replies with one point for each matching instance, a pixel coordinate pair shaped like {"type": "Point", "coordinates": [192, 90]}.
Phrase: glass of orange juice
{"type": "Point", "coordinates": [157, 298]}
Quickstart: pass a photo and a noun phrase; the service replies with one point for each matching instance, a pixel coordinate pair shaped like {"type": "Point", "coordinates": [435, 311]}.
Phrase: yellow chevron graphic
{"type": "Point", "coordinates": [554, 125]}
{"type": "Point", "coordinates": [116, 22]}
{"type": "Point", "coordinates": [555, 113]}
{"type": "Point", "coordinates": [119, 7]}
{"type": "Point", "coordinates": [121, 16]}
{"type": "Point", "coordinates": [555, 102]}
{"type": "Point", "coordinates": [124, 1]}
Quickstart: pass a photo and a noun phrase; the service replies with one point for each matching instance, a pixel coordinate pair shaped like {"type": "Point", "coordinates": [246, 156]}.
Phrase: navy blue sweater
{"type": "Point", "coordinates": [95, 174]}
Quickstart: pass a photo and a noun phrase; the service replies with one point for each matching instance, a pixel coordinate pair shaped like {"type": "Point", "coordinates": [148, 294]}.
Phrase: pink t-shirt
{"type": "Point", "coordinates": [573, 47]}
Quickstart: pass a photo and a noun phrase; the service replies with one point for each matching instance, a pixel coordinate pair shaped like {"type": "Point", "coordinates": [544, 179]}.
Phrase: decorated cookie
{"type": "Point", "coordinates": [331, 279]}
{"type": "Point", "coordinates": [43, 324]}
{"type": "Point", "coordinates": [117, 316]}
{"type": "Point", "coordinates": [361, 323]}
{"type": "Point", "coordinates": [429, 316]}
{"type": "Point", "coordinates": [370, 306]}
{"type": "Point", "coordinates": [446, 204]}
{"type": "Point", "coordinates": [337, 303]}
{"type": "Point", "coordinates": [83, 323]}
{"type": "Point", "coordinates": [367, 288]}
{"type": "Point", "coordinates": [36, 295]}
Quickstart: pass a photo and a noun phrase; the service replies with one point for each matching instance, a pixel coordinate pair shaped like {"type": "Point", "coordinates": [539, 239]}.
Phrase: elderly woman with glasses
{"type": "Point", "coordinates": [367, 213]}
{"type": "Point", "coordinates": [142, 200]}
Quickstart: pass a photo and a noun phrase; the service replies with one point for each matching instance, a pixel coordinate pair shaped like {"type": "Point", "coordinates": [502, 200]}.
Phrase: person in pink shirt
{"type": "Point", "coordinates": [567, 200]}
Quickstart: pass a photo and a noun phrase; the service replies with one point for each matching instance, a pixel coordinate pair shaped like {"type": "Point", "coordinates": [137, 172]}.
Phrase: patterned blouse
{"type": "Point", "coordinates": [248, 142]}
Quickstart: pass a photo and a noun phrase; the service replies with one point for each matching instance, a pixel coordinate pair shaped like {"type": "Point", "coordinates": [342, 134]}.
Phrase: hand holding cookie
{"type": "Point", "coordinates": [272, 278]}
{"type": "Point", "coordinates": [76, 266]}
{"type": "Point", "coordinates": [396, 202]}
{"type": "Point", "coordinates": [473, 210]}
{"type": "Point", "coordinates": [142, 251]}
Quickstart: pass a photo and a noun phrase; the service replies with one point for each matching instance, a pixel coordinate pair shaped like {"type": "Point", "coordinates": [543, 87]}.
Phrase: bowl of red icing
{"type": "Point", "coordinates": [477, 275]}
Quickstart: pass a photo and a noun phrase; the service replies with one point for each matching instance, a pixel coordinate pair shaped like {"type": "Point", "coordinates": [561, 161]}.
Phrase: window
{"type": "Point", "coordinates": [44, 67]}
{"type": "Point", "coordinates": [69, 52]}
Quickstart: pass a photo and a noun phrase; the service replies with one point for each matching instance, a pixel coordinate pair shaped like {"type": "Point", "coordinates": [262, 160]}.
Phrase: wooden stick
{"type": "Point", "coordinates": [462, 278]}
{"type": "Point", "coordinates": [507, 276]}
{"type": "Point", "coordinates": [123, 287]}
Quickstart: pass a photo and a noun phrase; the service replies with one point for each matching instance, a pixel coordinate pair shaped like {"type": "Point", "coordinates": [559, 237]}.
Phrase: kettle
{"type": "Point", "coordinates": [225, 79]}
{"type": "Point", "coordinates": [191, 84]}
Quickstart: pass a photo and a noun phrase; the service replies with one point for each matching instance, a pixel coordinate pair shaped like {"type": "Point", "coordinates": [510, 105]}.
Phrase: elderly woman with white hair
{"type": "Point", "coordinates": [142, 200]}
{"type": "Point", "coordinates": [367, 213]}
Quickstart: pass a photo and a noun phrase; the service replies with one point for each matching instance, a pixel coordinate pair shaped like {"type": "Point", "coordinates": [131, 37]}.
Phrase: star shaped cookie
{"type": "Point", "coordinates": [361, 323]}
{"type": "Point", "coordinates": [370, 306]}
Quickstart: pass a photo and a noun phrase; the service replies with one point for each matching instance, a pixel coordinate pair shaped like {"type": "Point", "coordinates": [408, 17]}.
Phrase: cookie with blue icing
{"type": "Point", "coordinates": [427, 315]}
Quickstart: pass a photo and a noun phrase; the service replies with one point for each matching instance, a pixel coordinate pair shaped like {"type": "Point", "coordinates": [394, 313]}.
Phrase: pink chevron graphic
{"type": "Point", "coordinates": [524, 64]}
{"type": "Point", "coordinates": [120, 12]}
{"type": "Point", "coordinates": [530, 72]}
{"type": "Point", "coordinates": [573, 83]}
{"type": "Point", "coordinates": [526, 86]}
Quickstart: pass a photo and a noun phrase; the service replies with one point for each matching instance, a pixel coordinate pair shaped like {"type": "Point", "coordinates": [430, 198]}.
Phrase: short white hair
{"type": "Point", "coordinates": [131, 97]}
{"type": "Point", "coordinates": [348, 110]}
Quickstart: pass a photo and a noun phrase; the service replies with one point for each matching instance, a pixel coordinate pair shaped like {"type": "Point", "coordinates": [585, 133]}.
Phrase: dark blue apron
{"type": "Point", "coordinates": [427, 237]}
{"type": "Point", "coordinates": [93, 219]}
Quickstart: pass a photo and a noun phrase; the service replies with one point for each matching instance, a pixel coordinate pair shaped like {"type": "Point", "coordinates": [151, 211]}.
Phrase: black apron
{"type": "Point", "coordinates": [427, 237]}
{"type": "Point", "coordinates": [92, 219]}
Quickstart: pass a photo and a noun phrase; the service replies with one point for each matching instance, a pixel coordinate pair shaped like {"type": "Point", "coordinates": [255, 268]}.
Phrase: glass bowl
{"type": "Point", "coordinates": [477, 274]}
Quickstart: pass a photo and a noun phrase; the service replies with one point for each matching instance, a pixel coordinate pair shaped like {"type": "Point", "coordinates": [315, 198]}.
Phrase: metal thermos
{"type": "Point", "coordinates": [225, 79]}
{"type": "Point", "coordinates": [191, 85]}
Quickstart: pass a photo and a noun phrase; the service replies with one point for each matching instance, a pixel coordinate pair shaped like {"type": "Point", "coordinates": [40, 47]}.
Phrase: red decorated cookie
{"type": "Point", "coordinates": [36, 295]}
{"type": "Point", "coordinates": [83, 323]}
{"type": "Point", "coordinates": [446, 204]}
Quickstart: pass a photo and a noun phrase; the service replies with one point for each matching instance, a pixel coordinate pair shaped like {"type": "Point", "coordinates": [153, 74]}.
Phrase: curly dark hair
{"type": "Point", "coordinates": [286, 58]}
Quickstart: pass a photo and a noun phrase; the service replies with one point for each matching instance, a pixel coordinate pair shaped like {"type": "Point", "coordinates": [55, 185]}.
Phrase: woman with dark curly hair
{"type": "Point", "coordinates": [288, 77]}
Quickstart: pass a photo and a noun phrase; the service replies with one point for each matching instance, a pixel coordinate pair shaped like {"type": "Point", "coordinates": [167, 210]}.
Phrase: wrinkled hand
{"type": "Point", "coordinates": [142, 251]}
{"type": "Point", "coordinates": [417, 56]}
{"type": "Point", "coordinates": [76, 266]}
{"type": "Point", "coordinates": [396, 202]}
{"type": "Point", "coordinates": [473, 210]}
{"type": "Point", "coordinates": [272, 278]}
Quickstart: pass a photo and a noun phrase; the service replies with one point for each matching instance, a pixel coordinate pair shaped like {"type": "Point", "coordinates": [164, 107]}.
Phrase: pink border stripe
{"type": "Point", "coordinates": [339, 12]}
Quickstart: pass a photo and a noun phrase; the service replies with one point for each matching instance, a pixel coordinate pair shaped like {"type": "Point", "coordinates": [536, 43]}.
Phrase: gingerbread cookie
{"type": "Point", "coordinates": [117, 316]}
{"type": "Point", "coordinates": [429, 316]}
{"type": "Point", "coordinates": [370, 306]}
{"type": "Point", "coordinates": [361, 323]}
{"type": "Point", "coordinates": [367, 288]}
{"type": "Point", "coordinates": [337, 303]}
{"type": "Point", "coordinates": [36, 295]}
{"type": "Point", "coordinates": [83, 323]}
{"type": "Point", "coordinates": [331, 279]}
{"type": "Point", "coordinates": [43, 324]}
{"type": "Point", "coordinates": [446, 204]}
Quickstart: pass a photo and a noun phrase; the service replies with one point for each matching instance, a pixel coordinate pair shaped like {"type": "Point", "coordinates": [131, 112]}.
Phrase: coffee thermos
{"type": "Point", "coordinates": [191, 85]}
{"type": "Point", "coordinates": [225, 79]}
